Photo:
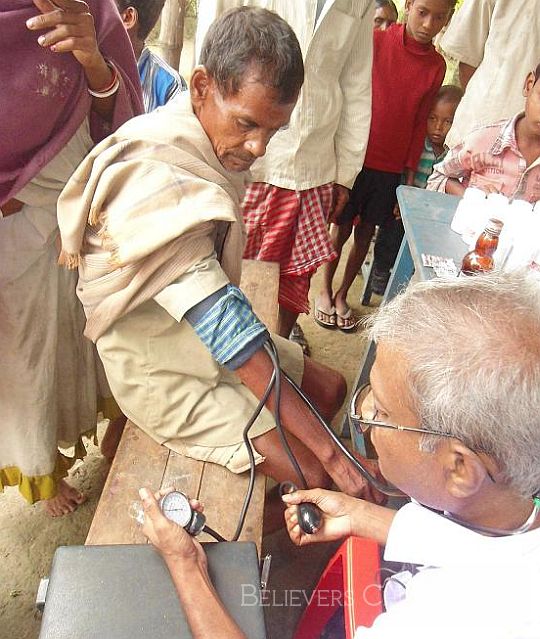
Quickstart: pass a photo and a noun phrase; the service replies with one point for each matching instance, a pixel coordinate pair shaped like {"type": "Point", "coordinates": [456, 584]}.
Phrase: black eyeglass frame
{"type": "Point", "coordinates": [357, 420]}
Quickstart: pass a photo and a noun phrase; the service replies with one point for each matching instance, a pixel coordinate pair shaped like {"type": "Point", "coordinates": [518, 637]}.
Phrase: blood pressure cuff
{"type": "Point", "coordinates": [228, 327]}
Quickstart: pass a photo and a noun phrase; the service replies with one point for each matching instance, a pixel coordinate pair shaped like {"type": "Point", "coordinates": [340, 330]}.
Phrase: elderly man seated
{"type": "Point", "coordinates": [152, 220]}
{"type": "Point", "coordinates": [455, 420]}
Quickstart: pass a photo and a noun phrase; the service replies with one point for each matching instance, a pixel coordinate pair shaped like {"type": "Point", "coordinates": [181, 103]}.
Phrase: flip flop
{"type": "Point", "coordinates": [324, 319]}
{"type": "Point", "coordinates": [347, 323]}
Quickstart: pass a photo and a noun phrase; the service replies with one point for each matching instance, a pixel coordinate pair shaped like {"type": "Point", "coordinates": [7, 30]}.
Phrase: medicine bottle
{"type": "Point", "coordinates": [480, 259]}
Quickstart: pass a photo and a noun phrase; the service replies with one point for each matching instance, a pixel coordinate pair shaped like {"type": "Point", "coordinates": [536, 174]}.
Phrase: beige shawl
{"type": "Point", "coordinates": [141, 209]}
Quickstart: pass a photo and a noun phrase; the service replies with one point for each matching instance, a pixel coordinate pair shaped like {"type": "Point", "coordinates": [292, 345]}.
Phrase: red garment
{"type": "Point", "coordinates": [289, 227]}
{"type": "Point", "coordinates": [406, 77]}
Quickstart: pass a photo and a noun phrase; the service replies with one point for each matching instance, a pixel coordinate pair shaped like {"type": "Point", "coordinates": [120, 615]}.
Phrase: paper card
{"type": "Point", "coordinates": [443, 266]}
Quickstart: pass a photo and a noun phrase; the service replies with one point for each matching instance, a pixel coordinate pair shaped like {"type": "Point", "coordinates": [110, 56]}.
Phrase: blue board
{"type": "Point", "coordinates": [426, 217]}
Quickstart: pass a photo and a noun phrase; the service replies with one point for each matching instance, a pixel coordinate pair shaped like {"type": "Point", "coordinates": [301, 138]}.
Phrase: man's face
{"type": "Point", "coordinates": [384, 18]}
{"type": "Point", "coordinates": [532, 105]}
{"type": "Point", "coordinates": [425, 18]}
{"type": "Point", "coordinates": [440, 121]}
{"type": "Point", "coordinates": [400, 460]}
{"type": "Point", "coordinates": [240, 126]}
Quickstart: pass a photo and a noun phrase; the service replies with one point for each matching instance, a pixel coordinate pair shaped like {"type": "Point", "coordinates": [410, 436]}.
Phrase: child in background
{"type": "Point", "coordinates": [503, 157]}
{"type": "Point", "coordinates": [407, 73]}
{"type": "Point", "coordinates": [389, 238]}
{"type": "Point", "coordinates": [160, 82]}
{"type": "Point", "coordinates": [439, 122]}
{"type": "Point", "coordinates": [386, 14]}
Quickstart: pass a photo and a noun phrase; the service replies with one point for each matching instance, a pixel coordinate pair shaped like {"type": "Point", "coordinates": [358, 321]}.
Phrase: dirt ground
{"type": "Point", "coordinates": [28, 537]}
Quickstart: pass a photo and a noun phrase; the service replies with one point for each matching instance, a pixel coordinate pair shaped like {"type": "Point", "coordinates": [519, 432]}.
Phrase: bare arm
{"type": "Point", "coordinates": [341, 197]}
{"type": "Point", "coordinates": [466, 72]}
{"type": "Point", "coordinates": [454, 187]}
{"type": "Point", "coordinates": [204, 611]}
{"type": "Point", "coordinates": [186, 562]}
{"type": "Point", "coordinates": [453, 173]}
{"type": "Point", "coordinates": [255, 374]}
{"type": "Point", "coordinates": [409, 177]}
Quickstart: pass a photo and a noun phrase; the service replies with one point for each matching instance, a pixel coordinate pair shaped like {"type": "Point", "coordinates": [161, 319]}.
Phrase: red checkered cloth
{"type": "Point", "coordinates": [289, 227]}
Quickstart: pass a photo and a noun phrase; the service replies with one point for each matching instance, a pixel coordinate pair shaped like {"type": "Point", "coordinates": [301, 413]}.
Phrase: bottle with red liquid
{"type": "Point", "coordinates": [480, 259]}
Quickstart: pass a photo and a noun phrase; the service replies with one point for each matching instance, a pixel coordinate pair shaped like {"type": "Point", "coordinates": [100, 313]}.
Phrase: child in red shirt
{"type": "Point", "coordinates": [407, 73]}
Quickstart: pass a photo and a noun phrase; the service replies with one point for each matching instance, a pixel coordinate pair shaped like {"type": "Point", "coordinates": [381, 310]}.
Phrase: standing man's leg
{"type": "Point", "coordinates": [363, 233]}
{"type": "Point", "coordinates": [376, 202]}
{"type": "Point", "coordinates": [324, 305]}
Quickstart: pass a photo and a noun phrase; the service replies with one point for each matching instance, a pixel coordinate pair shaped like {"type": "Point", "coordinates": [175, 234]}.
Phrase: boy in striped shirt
{"type": "Point", "coordinates": [390, 235]}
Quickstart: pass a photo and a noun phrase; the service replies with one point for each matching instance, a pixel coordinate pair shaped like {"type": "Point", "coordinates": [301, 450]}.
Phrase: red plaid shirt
{"type": "Point", "coordinates": [288, 227]}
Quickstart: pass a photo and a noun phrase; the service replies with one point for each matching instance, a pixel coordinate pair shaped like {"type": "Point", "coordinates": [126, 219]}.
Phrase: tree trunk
{"type": "Point", "coordinates": [171, 32]}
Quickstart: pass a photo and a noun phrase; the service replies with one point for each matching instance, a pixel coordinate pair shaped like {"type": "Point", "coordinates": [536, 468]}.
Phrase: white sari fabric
{"type": "Point", "coordinates": [48, 388]}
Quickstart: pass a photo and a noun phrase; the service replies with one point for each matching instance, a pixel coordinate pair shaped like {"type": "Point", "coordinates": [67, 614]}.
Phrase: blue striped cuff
{"type": "Point", "coordinates": [229, 328]}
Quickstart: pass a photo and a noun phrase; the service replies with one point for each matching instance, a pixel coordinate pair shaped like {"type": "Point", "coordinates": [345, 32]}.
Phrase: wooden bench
{"type": "Point", "coordinates": [140, 461]}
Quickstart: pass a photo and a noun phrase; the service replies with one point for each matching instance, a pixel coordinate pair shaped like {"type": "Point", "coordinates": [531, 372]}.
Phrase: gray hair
{"type": "Point", "coordinates": [245, 37]}
{"type": "Point", "coordinates": [472, 348]}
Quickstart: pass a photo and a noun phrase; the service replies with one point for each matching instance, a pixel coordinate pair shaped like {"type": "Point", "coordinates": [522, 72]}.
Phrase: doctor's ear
{"type": "Point", "coordinates": [465, 472]}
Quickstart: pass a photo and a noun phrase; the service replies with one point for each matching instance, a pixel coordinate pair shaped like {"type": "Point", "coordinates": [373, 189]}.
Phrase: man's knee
{"type": "Point", "coordinates": [325, 386]}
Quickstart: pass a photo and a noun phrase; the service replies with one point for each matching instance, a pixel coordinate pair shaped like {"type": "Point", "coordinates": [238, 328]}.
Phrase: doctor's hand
{"type": "Point", "coordinates": [336, 511]}
{"type": "Point", "coordinates": [171, 540]}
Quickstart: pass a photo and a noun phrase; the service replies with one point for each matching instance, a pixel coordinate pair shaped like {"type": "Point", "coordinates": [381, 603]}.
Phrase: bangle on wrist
{"type": "Point", "coordinates": [111, 88]}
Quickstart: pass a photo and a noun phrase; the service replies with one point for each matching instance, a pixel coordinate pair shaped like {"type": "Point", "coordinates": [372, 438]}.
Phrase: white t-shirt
{"type": "Point", "coordinates": [468, 585]}
{"type": "Point", "coordinates": [501, 38]}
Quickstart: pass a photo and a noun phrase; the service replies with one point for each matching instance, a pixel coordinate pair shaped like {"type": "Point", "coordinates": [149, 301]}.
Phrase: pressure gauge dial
{"type": "Point", "coordinates": [176, 507]}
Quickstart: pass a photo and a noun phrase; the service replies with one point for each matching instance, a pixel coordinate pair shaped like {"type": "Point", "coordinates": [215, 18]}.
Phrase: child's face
{"type": "Point", "coordinates": [439, 121]}
{"type": "Point", "coordinates": [425, 18]}
{"type": "Point", "coordinates": [532, 104]}
{"type": "Point", "coordinates": [384, 17]}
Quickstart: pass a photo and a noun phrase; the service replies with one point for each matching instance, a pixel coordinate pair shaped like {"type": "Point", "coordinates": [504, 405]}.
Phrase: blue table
{"type": "Point", "coordinates": [426, 217]}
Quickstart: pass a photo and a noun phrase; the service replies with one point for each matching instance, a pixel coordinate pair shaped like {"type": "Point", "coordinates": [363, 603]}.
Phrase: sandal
{"type": "Point", "coordinates": [347, 323]}
{"type": "Point", "coordinates": [324, 319]}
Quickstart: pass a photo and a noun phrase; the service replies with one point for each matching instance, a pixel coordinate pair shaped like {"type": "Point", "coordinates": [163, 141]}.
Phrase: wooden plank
{"type": "Point", "coordinates": [139, 461]}
{"type": "Point", "coordinates": [222, 494]}
{"type": "Point", "coordinates": [260, 283]}
{"type": "Point", "coordinates": [184, 474]}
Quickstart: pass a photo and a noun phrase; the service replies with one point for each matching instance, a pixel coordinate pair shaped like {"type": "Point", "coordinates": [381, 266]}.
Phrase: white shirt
{"type": "Point", "coordinates": [501, 38]}
{"type": "Point", "coordinates": [327, 136]}
{"type": "Point", "coordinates": [469, 585]}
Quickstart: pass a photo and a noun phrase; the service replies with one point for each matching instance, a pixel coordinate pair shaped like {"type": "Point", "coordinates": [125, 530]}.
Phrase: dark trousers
{"type": "Point", "coordinates": [387, 245]}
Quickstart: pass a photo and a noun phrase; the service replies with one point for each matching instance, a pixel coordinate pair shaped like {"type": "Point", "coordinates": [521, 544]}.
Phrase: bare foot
{"type": "Point", "coordinates": [112, 437]}
{"type": "Point", "coordinates": [66, 500]}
